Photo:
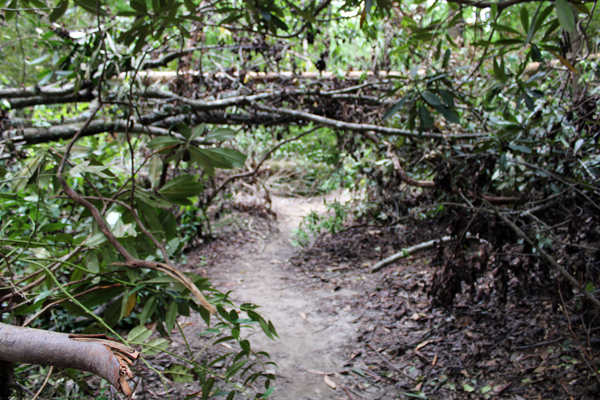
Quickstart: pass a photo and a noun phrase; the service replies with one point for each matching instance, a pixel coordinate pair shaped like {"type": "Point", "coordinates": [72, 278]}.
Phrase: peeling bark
{"type": "Point", "coordinates": [103, 357]}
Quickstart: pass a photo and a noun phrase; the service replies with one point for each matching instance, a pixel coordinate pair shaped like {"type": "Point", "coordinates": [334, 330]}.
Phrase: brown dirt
{"type": "Point", "coordinates": [377, 336]}
{"type": "Point", "coordinates": [316, 325]}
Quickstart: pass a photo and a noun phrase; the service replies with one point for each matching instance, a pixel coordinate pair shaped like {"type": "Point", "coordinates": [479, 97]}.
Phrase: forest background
{"type": "Point", "coordinates": [127, 126]}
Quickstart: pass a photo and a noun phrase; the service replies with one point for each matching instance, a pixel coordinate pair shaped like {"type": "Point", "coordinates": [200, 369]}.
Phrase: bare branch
{"type": "Point", "coordinates": [37, 91]}
{"type": "Point", "coordinates": [500, 4]}
{"type": "Point", "coordinates": [366, 128]}
{"type": "Point", "coordinates": [84, 96]}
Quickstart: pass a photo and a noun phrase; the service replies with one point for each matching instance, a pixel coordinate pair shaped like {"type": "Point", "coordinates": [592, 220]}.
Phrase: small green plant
{"type": "Point", "coordinates": [314, 224]}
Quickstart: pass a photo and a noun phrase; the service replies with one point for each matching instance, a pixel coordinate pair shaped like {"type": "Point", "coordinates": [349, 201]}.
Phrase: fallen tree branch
{"type": "Point", "coordinates": [130, 261]}
{"type": "Point", "coordinates": [22, 102]}
{"type": "Point", "coordinates": [37, 91]}
{"type": "Point", "coordinates": [67, 129]}
{"type": "Point", "coordinates": [57, 132]}
{"type": "Point", "coordinates": [106, 358]}
{"type": "Point", "coordinates": [547, 257]}
{"type": "Point", "coordinates": [488, 4]}
{"type": "Point", "coordinates": [408, 252]}
{"type": "Point", "coordinates": [366, 128]}
{"type": "Point", "coordinates": [248, 76]}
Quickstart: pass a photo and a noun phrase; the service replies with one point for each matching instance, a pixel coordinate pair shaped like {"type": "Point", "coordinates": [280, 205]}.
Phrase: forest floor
{"type": "Point", "coordinates": [346, 333]}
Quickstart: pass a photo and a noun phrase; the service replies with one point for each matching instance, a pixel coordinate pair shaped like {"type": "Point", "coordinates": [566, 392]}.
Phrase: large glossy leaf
{"type": "Point", "coordinates": [171, 316]}
{"type": "Point", "coordinates": [396, 107]}
{"type": "Point", "coordinates": [139, 334]}
{"type": "Point", "coordinates": [425, 115]}
{"type": "Point", "coordinates": [151, 199]}
{"type": "Point", "coordinates": [180, 188]}
{"type": "Point", "coordinates": [565, 15]}
{"type": "Point", "coordinates": [163, 142]}
{"type": "Point", "coordinates": [180, 374]}
{"type": "Point", "coordinates": [448, 113]}
{"type": "Point", "coordinates": [234, 157]}
{"type": "Point", "coordinates": [92, 7]}
{"type": "Point", "coordinates": [59, 11]}
{"type": "Point", "coordinates": [431, 98]}
{"type": "Point", "coordinates": [202, 160]}
{"type": "Point", "coordinates": [155, 346]}
{"type": "Point", "coordinates": [221, 134]}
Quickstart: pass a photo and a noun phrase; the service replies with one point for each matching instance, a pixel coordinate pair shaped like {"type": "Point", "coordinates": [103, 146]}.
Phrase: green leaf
{"type": "Point", "coordinates": [542, 18]}
{"type": "Point", "coordinates": [180, 374]}
{"type": "Point", "coordinates": [139, 6]}
{"type": "Point", "coordinates": [151, 199]}
{"type": "Point", "coordinates": [202, 160]}
{"type": "Point", "coordinates": [524, 18]}
{"type": "Point", "coordinates": [431, 98]}
{"type": "Point", "coordinates": [505, 28]}
{"type": "Point", "coordinates": [425, 115]}
{"type": "Point", "coordinates": [221, 134]}
{"type": "Point", "coordinates": [536, 55]}
{"type": "Point", "coordinates": [10, 13]}
{"type": "Point", "coordinates": [447, 54]}
{"type": "Point", "coordinates": [448, 113]}
{"type": "Point", "coordinates": [148, 310]}
{"type": "Point", "coordinates": [233, 157]}
{"type": "Point", "coordinates": [112, 315]}
{"type": "Point", "coordinates": [155, 346]}
{"type": "Point", "coordinates": [565, 15]}
{"type": "Point", "coordinates": [139, 334]}
{"type": "Point", "coordinates": [171, 316]}
{"type": "Point", "coordinates": [163, 142]}
{"type": "Point", "coordinates": [198, 130]}
{"type": "Point", "coordinates": [207, 388]}
{"type": "Point", "coordinates": [215, 159]}
{"type": "Point", "coordinates": [231, 371]}
{"type": "Point", "coordinates": [486, 389]}
{"type": "Point", "coordinates": [279, 23]}
{"type": "Point", "coordinates": [92, 7]}
{"type": "Point", "coordinates": [499, 71]}
{"type": "Point", "coordinates": [533, 25]}
{"type": "Point", "coordinates": [396, 107]}
{"type": "Point", "coordinates": [468, 388]}
{"type": "Point", "coordinates": [185, 130]}
{"type": "Point", "coordinates": [180, 188]}
{"type": "Point", "coordinates": [447, 97]}
{"type": "Point", "coordinates": [590, 287]}
{"type": "Point", "coordinates": [520, 148]}
{"type": "Point", "coordinates": [267, 393]}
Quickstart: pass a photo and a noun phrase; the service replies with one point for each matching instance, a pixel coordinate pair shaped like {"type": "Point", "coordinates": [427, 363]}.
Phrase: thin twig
{"type": "Point", "coordinates": [44, 384]}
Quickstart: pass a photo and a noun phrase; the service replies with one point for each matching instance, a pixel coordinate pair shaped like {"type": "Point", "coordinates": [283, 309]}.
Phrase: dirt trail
{"type": "Point", "coordinates": [311, 339]}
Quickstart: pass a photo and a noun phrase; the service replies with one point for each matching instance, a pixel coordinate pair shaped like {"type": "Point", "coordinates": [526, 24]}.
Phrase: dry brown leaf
{"type": "Point", "coordinates": [303, 316]}
{"type": "Point", "coordinates": [329, 382]}
{"type": "Point", "coordinates": [421, 345]}
{"type": "Point", "coordinates": [310, 371]}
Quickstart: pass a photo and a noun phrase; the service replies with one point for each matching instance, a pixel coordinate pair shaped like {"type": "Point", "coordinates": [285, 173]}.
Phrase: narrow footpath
{"type": "Point", "coordinates": [313, 341]}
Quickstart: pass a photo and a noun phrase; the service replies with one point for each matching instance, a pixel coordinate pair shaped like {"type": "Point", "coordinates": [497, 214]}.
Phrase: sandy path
{"type": "Point", "coordinates": [311, 339]}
